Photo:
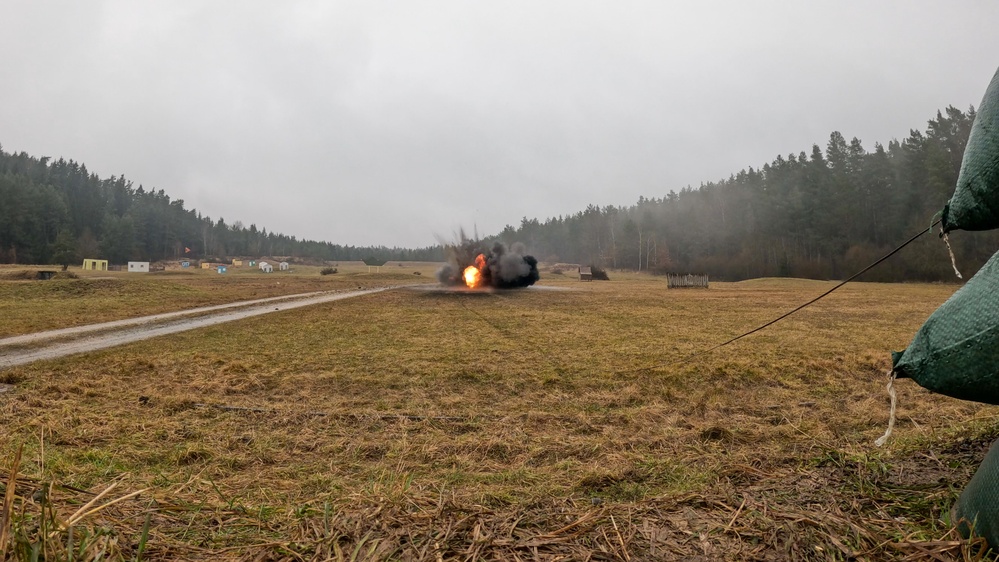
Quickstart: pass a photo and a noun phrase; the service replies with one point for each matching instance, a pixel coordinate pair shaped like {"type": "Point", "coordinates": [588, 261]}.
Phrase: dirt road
{"type": "Point", "coordinates": [69, 341]}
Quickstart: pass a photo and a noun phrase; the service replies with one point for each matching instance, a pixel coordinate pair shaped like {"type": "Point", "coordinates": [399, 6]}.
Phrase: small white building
{"type": "Point", "coordinates": [283, 266]}
{"type": "Point", "coordinates": [138, 267]}
{"type": "Point", "coordinates": [266, 267]}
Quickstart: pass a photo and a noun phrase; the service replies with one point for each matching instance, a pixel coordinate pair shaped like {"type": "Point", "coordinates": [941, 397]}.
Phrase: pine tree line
{"type": "Point", "coordinates": [56, 212]}
{"type": "Point", "coordinates": [823, 215]}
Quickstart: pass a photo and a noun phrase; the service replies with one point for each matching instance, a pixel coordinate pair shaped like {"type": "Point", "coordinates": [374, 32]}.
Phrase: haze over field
{"type": "Point", "coordinates": [390, 123]}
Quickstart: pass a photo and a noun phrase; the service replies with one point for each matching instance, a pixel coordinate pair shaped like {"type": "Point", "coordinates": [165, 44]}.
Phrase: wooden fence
{"type": "Point", "coordinates": [681, 280]}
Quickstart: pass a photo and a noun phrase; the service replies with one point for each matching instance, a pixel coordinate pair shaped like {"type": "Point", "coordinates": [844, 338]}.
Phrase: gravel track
{"type": "Point", "coordinates": [137, 329]}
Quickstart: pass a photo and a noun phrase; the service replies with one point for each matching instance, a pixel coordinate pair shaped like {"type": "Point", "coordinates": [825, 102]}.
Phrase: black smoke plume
{"type": "Point", "coordinates": [500, 268]}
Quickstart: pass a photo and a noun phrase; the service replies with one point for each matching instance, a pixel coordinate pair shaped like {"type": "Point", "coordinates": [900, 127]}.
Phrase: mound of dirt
{"type": "Point", "coordinates": [36, 274]}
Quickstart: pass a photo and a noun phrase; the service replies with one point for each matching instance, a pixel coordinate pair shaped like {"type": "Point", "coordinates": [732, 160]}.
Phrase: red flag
{"type": "Point", "coordinates": [187, 250]}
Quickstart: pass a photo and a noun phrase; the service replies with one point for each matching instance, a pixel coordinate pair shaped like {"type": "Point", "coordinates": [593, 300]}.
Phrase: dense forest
{"type": "Point", "coordinates": [58, 212]}
{"type": "Point", "coordinates": [822, 214]}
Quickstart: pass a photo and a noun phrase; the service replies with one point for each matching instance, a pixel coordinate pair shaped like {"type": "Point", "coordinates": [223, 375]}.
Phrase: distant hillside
{"type": "Point", "coordinates": [58, 212]}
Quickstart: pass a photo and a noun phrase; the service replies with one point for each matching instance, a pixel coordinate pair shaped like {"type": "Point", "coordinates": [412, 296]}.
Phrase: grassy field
{"type": "Point", "coordinates": [569, 423]}
{"type": "Point", "coordinates": [86, 297]}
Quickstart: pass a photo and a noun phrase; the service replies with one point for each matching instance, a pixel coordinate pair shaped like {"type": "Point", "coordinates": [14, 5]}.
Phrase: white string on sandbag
{"type": "Point", "coordinates": [891, 416]}
{"type": "Point", "coordinates": [953, 262]}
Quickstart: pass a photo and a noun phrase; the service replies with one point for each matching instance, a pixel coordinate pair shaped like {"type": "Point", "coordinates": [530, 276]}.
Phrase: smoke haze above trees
{"type": "Point", "coordinates": [820, 214]}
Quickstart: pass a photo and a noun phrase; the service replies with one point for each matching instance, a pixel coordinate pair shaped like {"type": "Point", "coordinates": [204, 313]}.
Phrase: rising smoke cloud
{"type": "Point", "coordinates": [504, 268]}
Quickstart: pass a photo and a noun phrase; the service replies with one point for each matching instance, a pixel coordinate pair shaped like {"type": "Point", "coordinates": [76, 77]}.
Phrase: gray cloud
{"type": "Point", "coordinates": [392, 122]}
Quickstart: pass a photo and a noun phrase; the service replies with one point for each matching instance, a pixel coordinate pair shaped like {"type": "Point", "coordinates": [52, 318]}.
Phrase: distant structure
{"type": "Point", "coordinates": [686, 280]}
{"type": "Point", "coordinates": [585, 273]}
{"type": "Point", "coordinates": [236, 262]}
{"type": "Point", "coordinates": [373, 263]}
{"type": "Point", "coordinates": [283, 266]}
{"type": "Point", "coordinates": [185, 264]}
{"type": "Point", "coordinates": [95, 265]}
{"type": "Point", "coordinates": [221, 269]}
{"type": "Point", "coordinates": [266, 267]}
{"type": "Point", "coordinates": [138, 267]}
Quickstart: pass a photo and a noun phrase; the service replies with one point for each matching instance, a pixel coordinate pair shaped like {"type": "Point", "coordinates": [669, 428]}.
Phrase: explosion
{"type": "Point", "coordinates": [500, 268]}
{"type": "Point", "coordinates": [473, 273]}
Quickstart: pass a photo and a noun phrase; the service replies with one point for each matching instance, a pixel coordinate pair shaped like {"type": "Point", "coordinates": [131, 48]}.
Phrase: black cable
{"type": "Point", "coordinates": [786, 314]}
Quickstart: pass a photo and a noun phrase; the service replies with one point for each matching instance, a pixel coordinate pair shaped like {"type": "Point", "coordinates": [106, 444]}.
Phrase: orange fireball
{"type": "Point", "coordinates": [473, 273]}
{"type": "Point", "coordinates": [472, 276]}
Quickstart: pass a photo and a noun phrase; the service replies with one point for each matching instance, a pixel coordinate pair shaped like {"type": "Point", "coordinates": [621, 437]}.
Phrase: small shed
{"type": "Point", "coordinates": [266, 267]}
{"type": "Point", "coordinates": [585, 273]}
{"type": "Point", "coordinates": [222, 269]}
{"type": "Point", "coordinates": [206, 265]}
{"type": "Point", "coordinates": [236, 263]}
{"type": "Point", "coordinates": [185, 264]}
{"type": "Point", "coordinates": [138, 267]}
{"type": "Point", "coordinates": [253, 263]}
{"type": "Point", "coordinates": [95, 265]}
{"type": "Point", "coordinates": [283, 266]}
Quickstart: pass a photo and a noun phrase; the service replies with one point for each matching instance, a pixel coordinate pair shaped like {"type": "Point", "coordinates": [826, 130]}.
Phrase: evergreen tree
{"type": "Point", "coordinates": [64, 249]}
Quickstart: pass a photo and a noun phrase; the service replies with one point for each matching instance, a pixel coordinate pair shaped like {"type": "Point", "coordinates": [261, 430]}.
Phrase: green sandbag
{"type": "Point", "coordinates": [956, 351]}
{"type": "Point", "coordinates": [977, 509]}
{"type": "Point", "coordinates": [975, 203]}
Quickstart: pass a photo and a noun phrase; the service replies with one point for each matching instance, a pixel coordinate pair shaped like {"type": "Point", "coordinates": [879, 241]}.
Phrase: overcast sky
{"type": "Point", "coordinates": [392, 123]}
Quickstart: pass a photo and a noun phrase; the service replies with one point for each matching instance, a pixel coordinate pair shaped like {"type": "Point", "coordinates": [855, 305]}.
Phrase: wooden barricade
{"type": "Point", "coordinates": [684, 280]}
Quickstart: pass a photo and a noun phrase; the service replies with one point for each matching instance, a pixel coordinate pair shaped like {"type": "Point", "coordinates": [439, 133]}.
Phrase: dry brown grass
{"type": "Point", "coordinates": [78, 297]}
{"type": "Point", "coordinates": [535, 424]}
